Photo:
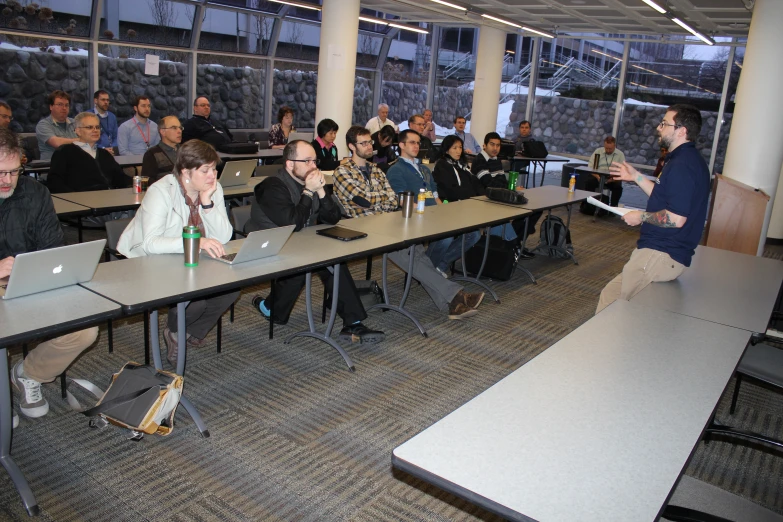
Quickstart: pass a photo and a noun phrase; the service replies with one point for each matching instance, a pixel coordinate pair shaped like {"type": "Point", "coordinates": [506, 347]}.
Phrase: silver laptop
{"type": "Point", "coordinates": [44, 270]}
{"type": "Point", "coordinates": [236, 173]}
{"type": "Point", "coordinates": [307, 136]}
{"type": "Point", "coordinates": [257, 245]}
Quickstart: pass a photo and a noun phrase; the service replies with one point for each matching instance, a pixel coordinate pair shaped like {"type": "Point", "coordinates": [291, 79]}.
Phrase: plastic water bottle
{"type": "Point", "coordinates": [421, 201]}
{"type": "Point", "coordinates": [572, 184]}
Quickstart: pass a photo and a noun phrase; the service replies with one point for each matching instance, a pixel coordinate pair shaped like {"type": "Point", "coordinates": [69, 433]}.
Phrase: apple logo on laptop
{"type": "Point", "coordinates": [265, 244]}
{"type": "Point", "coordinates": [57, 269]}
{"type": "Point", "coordinates": [237, 174]}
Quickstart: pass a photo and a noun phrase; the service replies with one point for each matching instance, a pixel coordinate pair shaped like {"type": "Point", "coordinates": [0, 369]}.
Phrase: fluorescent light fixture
{"type": "Point", "coordinates": [447, 4]}
{"type": "Point", "coordinates": [655, 6]}
{"type": "Point", "coordinates": [373, 20]}
{"type": "Point", "coordinates": [294, 4]}
{"type": "Point", "coordinates": [693, 31]}
{"type": "Point", "coordinates": [607, 55]}
{"type": "Point", "coordinates": [538, 31]}
{"type": "Point", "coordinates": [495, 18]}
{"type": "Point", "coordinates": [409, 28]}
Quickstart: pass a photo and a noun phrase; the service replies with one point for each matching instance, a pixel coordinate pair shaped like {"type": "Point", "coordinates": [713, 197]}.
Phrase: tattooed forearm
{"type": "Point", "coordinates": [659, 219]}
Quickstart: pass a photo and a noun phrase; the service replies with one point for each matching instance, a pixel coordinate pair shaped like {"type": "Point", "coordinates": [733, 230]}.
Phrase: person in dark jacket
{"type": "Point", "coordinates": [383, 148]}
{"type": "Point", "coordinates": [202, 127]}
{"type": "Point", "coordinates": [160, 159]}
{"type": "Point", "coordinates": [296, 196]}
{"type": "Point", "coordinates": [81, 165]}
{"type": "Point", "coordinates": [29, 223]}
{"type": "Point", "coordinates": [324, 146]}
{"type": "Point", "coordinates": [487, 167]}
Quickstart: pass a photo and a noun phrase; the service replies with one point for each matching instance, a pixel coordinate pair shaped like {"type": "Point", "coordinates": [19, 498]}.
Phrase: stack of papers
{"type": "Point", "coordinates": [620, 211]}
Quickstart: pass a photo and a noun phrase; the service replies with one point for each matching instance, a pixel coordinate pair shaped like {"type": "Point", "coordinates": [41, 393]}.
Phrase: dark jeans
{"type": "Point", "coordinates": [519, 225]}
{"type": "Point", "coordinates": [349, 305]}
{"type": "Point", "coordinates": [615, 188]}
{"type": "Point", "coordinates": [202, 315]}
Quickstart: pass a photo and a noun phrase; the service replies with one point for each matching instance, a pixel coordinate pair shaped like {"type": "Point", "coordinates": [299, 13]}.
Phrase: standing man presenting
{"type": "Point", "coordinates": [139, 133]}
{"type": "Point", "coordinates": [107, 119]}
{"type": "Point", "coordinates": [377, 123]}
{"type": "Point", "coordinates": [673, 221]}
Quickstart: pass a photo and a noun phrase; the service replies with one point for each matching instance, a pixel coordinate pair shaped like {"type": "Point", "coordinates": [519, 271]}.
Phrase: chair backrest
{"type": "Point", "coordinates": [266, 170]}
{"type": "Point", "coordinates": [30, 146]}
{"type": "Point", "coordinates": [114, 230]}
{"type": "Point", "coordinates": [240, 216]}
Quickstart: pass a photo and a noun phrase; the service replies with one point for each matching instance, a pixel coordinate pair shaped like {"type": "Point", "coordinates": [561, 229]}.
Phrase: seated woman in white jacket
{"type": "Point", "coordinates": [191, 195]}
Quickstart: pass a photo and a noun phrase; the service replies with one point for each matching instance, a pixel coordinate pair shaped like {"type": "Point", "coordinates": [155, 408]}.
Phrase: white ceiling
{"type": "Point", "coordinates": [721, 17]}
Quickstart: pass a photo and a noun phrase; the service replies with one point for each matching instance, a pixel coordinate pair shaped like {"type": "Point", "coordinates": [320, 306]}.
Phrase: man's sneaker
{"type": "Point", "coordinates": [526, 254]}
{"type": "Point", "coordinates": [16, 420]}
{"type": "Point", "coordinates": [31, 403]}
{"type": "Point", "coordinates": [442, 272]}
{"type": "Point", "coordinates": [471, 300]}
{"type": "Point", "coordinates": [358, 333]}
{"type": "Point", "coordinates": [259, 305]}
{"type": "Point", "coordinates": [458, 310]}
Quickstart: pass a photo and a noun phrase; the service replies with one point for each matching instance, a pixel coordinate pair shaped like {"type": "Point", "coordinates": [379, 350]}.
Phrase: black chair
{"type": "Point", "coordinates": [114, 230]}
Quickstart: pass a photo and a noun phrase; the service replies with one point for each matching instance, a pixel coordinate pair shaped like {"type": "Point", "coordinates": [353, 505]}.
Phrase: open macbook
{"type": "Point", "coordinates": [44, 270]}
{"type": "Point", "coordinates": [257, 245]}
{"type": "Point", "coordinates": [236, 173]}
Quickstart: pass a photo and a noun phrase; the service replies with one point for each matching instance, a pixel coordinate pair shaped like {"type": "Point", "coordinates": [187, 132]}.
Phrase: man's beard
{"type": "Point", "coordinates": [365, 156]}
{"type": "Point", "coordinates": [664, 142]}
{"type": "Point", "coordinates": [6, 195]}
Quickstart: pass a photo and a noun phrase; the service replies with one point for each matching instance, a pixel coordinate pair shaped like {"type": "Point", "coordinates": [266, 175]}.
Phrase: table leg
{"type": "Point", "coordinates": [386, 305]}
{"type": "Point", "coordinates": [6, 431]}
{"type": "Point", "coordinates": [519, 262]}
{"type": "Point", "coordinates": [312, 332]}
{"type": "Point", "coordinates": [181, 354]}
{"type": "Point", "coordinates": [464, 277]}
{"type": "Point", "coordinates": [543, 173]}
{"type": "Point", "coordinates": [533, 174]}
{"type": "Point", "coordinates": [600, 193]}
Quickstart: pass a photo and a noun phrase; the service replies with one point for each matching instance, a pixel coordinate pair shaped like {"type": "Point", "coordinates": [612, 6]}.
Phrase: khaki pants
{"type": "Point", "coordinates": [50, 358]}
{"type": "Point", "coordinates": [645, 266]}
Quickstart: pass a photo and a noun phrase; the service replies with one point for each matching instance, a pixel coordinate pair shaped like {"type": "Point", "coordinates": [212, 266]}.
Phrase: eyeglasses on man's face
{"type": "Point", "coordinates": [91, 127]}
{"type": "Point", "coordinates": [315, 162]}
{"type": "Point", "coordinates": [12, 173]}
{"type": "Point", "coordinates": [174, 128]}
{"type": "Point", "coordinates": [6, 117]}
{"type": "Point", "coordinates": [664, 124]}
{"type": "Point", "coordinates": [62, 105]}
{"type": "Point", "coordinates": [364, 143]}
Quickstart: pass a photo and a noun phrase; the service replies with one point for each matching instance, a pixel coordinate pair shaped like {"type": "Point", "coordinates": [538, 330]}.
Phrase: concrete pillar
{"type": "Point", "coordinates": [486, 91]}
{"type": "Point", "coordinates": [337, 65]}
{"type": "Point", "coordinates": [776, 221]}
{"type": "Point", "coordinates": [754, 154]}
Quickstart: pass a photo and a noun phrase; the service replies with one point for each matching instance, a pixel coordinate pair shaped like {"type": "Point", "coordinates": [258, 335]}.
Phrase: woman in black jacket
{"type": "Point", "coordinates": [325, 149]}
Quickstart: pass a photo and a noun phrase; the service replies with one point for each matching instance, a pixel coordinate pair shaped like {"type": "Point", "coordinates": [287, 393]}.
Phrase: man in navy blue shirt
{"type": "Point", "coordinates": [673, 221]}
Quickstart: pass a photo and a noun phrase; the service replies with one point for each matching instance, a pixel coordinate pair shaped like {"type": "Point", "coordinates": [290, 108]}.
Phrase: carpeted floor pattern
{"type": "Point", "coordinates": [297, 437]}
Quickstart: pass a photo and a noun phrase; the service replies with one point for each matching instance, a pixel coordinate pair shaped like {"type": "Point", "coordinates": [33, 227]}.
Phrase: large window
{"type": "Point", "coordinates": [235, 87]}
{"type": "Point", "coordinates": [123, 77]}
{"type": "Point", "coordinates": [62, 18]}
{"type": "Point", "coordinates": [33, 71]}
{"type": "Point", "coordinates": [160, 22]}
{"type": "Point", "coordinates": [294, 85]}
{"type": "Point", "coordinates": [299, 40]}
{"type": "Point", "coordinates": [241, 32]}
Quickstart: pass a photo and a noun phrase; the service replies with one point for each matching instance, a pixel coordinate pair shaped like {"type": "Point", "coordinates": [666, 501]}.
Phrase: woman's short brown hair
{"type": "Point", "coordinates": [285, 109]}
{"type": "Point", "coordinates": [193, 154]}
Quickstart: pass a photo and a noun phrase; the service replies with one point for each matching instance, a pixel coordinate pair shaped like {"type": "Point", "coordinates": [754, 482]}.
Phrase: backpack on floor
{"type": "Point", "coordinates": [501, 259]}
{"type": "Point", "coordinates": [555, 233]}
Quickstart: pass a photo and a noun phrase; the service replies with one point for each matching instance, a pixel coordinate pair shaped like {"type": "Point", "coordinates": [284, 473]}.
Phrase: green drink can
{"type": "Point", "coordinates": [512, 179]}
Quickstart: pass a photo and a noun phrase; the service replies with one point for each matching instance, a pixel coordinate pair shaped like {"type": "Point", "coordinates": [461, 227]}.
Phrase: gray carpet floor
{"type": "Point", "coordinates": [296, 436]}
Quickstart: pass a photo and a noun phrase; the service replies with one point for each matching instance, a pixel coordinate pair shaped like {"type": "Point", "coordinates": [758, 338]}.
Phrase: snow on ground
{"type": "Point", "coordinates": [631, 101]}
{"type": "Point", "coordinates": [504, 115]}
{"type": "Point", "coordinates": [513, 88]}
{"type": "Point", "coordinates": [57, 49]}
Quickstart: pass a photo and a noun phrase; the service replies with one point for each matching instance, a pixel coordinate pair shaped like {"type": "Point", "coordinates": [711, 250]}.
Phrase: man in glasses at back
{"type": "Point", "coordinates": [296, 196]}
{"type": "Point", "coordinates": [57, 129]}
{"type": "Point", "coordinates": [673, 221]}
{"type": "Point", "coordinates": [160, 159]}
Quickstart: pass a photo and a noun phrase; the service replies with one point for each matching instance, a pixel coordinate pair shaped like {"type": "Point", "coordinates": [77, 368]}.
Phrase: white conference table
{"type": "Point", "coordinates": [598, 427]}
{"type": "Point", "coordinates": [721, 286]}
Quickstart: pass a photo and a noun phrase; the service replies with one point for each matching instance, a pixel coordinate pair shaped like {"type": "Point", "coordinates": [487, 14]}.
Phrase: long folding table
{"type": "Point", "coordinates": [600, 426]}
{"type": "Point", "coordinates": [45, 314]}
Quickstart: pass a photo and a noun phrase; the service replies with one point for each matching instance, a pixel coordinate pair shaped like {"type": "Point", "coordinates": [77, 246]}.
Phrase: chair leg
{"type": "Point", "coordinates": [111, 337]}
{"type": "Point", "coordinates": [368, 273]}
{"type": "Point", "coordinates": [147, 337]}
{"type": "Point", "coordinates": [736, 394]}
{"type": "Point", "coordinates": [220, 334]}
{"type": "Point", "coordinates": [272, 309]}
{"type": "Point", "coordinates": [63, 386]}
{"type": "Point", "coordinates": [231, 314]}
{"type": "Point", "coordinates": [327, 299]}
{"type": "Point", "coordinates": [24, 351]}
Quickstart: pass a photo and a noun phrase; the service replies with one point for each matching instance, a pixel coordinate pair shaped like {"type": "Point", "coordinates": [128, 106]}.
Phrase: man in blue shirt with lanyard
{"type": "Point", "coordinates": [107, 119]}
{"type": "Point", "coordinates": [407, 174]}
{"type": "Point", "coordinates": [673, 222]}
{"type": "Point", "coordinates": [139, 133]}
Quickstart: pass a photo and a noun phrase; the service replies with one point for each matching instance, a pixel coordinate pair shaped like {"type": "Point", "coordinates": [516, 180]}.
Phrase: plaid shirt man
{"type": "Point", "coordinates": [350, 182]}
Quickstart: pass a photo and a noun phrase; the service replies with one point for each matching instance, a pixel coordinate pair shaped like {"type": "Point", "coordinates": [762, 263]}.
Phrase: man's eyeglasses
{"type": "Point", "coordinates": [315, 162]}
{"type": "Point", "coordinates": [12, 173]}
{"type": "Point", "coordinates": [63, 105]}
{"type": "Point", "coordinates": [364, 143]}
{"type": "Point", "coordinates": [91, 127]}
{"type": "Point", "coordinates": [6, 117]}
{"type": "Point", "coordinates": [664, 124]}
{"type": "Point", "coordinates": [167, 128]}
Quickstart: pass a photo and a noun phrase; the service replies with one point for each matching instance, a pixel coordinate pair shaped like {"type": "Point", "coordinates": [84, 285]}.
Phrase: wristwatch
{"type": "Point", "coordinates": [211, 204]}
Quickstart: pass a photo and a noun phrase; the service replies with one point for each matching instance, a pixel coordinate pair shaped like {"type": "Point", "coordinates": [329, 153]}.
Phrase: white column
{"type": "Point", "coordinates": [776, 221]}
{"type": "Point", "coordinates": [486, 91]}
{"type": "Point", "coordinates": [337, 65]}
{"type": "Point", "coordinates": [754, 154]}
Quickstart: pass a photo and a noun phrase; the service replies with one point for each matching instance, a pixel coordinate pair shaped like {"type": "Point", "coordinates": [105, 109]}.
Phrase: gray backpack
{"type": "Point", "coordinates": [555, 234]}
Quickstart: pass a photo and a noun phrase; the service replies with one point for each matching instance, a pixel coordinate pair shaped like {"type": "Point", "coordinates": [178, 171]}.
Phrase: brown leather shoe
{"type": "Point", "coordinates": [195, 342]}
{"type": "Point", "coordinates": [458, 310]}
{"type": "Point", "coordinates": [170, 338]}
{"type": "Point", "coordinates": [471, 300]}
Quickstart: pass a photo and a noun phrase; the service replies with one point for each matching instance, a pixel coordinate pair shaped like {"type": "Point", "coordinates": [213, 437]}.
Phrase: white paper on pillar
{"type": "Point", "coordinates": [151, 64]}
{"type": "Point", "coordinates": [336, 59]}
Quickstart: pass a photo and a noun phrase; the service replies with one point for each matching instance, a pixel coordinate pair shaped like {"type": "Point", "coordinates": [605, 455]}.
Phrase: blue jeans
{"type": "Point", "coordinates": [445, 251]}
{"type": "Point", "coordinates": [504, 231]}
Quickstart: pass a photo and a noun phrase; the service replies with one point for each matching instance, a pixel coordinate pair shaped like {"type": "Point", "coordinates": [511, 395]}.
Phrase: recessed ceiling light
{"type": "Point", "coordinates": [739, 25]}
